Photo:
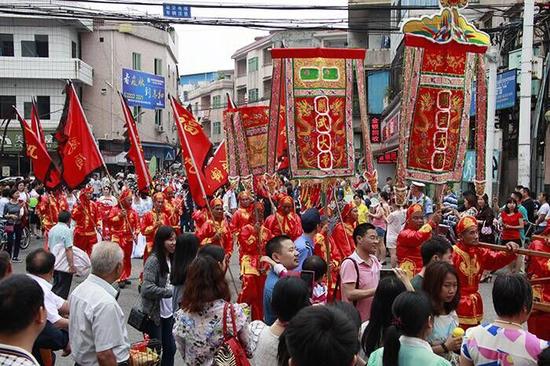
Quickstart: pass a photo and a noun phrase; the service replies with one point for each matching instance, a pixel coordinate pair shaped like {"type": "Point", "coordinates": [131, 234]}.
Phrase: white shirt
{"type": "Point", "coordinates": [16, 356]}
{"type": "Point", "coordinates": [544, 210]}
{"type": "Point", "coordinates": [97, 322]}
{"type": "Point", "coordinates": [229, 201]}
{"type": "Point", "coordinates": [23, 196]}
{"type": "Point", "coordinates": [52, 302]}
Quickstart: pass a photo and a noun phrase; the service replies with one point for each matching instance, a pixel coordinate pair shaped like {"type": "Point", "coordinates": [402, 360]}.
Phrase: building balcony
{"type": "Point", "coordinates": [46, 68]}
{"type": "Point", "coordinates": [241, 80]}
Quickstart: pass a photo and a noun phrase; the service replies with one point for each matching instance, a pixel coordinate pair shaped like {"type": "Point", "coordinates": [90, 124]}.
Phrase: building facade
{"type": "Point", "coordinates": [109, 49]}
{"type": "Point", "coordinates": [37, 56]}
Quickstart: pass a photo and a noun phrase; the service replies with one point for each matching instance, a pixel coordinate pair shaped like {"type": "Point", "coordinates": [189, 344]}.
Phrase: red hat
{"type": "Point", "coordinates": [465, 223]}
{"type": "Point", "coordinates": [244, 195]}
{"type": "Point", "coordinates": [216, 202]}
{"type": "Point", "coordinates": [168, 189]}
{"type": "Point", "coordinates": [414, 208]}
{"type": "Point", "coordinates": [347, 209]}
{"type": "Point", "coordinates": [125, 194]}
{"type": "Point", "coordinates": [158, 195]}
{"type": "Point", "coordinates": [285, 198]}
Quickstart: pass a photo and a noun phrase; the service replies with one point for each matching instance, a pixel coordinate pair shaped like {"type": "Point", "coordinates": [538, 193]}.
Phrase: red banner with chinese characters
{"type": "Point", "coordinates": [215, 172]}
{"type": "Point", "coordinates": [314, 88]}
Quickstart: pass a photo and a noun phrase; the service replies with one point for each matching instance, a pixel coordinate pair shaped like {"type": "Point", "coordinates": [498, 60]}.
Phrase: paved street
{"type": "Point", "coordinates": [129, 295]}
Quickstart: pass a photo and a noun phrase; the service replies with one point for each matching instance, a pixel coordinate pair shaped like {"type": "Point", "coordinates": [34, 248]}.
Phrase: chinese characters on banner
{"type": "Point", "coordinates": [143, 89]}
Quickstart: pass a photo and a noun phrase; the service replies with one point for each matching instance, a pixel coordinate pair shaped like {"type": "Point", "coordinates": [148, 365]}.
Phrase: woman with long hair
{"type": "Point", "coordinates": [198, 327]}
{"type": "Point", "coordinates": [441, 285]}
{"type": "Point", "coordinates": [405, 341]}
{"type": "Point", "coordinates": [512, 222]}
{"type": "Point", "coordinates": [156, 292]}
{"type": "Point", "coordinates": [13, 213]}
{"type": "Point", "coordinates": [485, 218]}
{"type": "Point", "coordinates": [187, 246]}
{"type": "Point", "coordinates": [380, 314]}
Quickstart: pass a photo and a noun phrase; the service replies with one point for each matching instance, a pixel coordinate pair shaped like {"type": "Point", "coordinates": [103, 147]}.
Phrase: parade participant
{"type": "Point", "coordinates": [252, 239]}
{"type": "Point", "coordinates": [151, 221]}
{"type": "Point", "coordinates": [86, 217]}
{"type": "Point", "coordinates": [105, 203]}
{"type": "Point", "coordinates": [124, 227]}
{"type": "Point", "coordinates": [172, 208]}
{"type": "Point", "coordinates": [51, 204]}
{"type": "Point", "coordinates": [470, 261]}
{"type": "Point", "coordinates": [243, 215]}
{"type": "Point", "coordinates": [325, 247]}
{"type": "Point", "coordinates": [284, 221]}
{"type": "Point", "coordinates": [216, 229]}
{"type": "Point", "coordinates": [199, 217]}
{"type": "Point", "coordinates": [539, 267]}
{"type": "Point", "coordinates": [343, 231]}
{"type": "Point", "coordinates": [411, 238]}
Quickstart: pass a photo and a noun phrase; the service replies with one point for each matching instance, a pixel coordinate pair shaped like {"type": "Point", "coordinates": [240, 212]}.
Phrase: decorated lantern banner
{"type": "Point", "coordinates": [443, 56]}
{"type": "Point", "coordinates": [314, 87]}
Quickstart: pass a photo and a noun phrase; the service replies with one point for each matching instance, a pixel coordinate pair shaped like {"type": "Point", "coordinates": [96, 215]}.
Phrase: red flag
{"type": "Point", "coordinates": [77, 148]}
{"type": "Point", "coordinates": [195, 146]}
{"type": "Point", "coordinates": [135, 153]}
{"type": "Point", "coordinates": [43, 168]}
{"type": "Point", "coordinates": [215, 172]}
{"type": "Point", "coordinates": [36, 126]}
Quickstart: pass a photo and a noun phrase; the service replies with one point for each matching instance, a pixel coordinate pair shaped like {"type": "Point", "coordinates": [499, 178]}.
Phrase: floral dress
{"type": "Point", "coordinates": [199, 335]}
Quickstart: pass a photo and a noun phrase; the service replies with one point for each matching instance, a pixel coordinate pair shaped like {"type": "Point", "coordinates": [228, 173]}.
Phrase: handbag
{"type": "Point", "coordinates": [138, 319]}
{"type": "Point", "coordinates": [9, 228]}
{"type": "Point", "coordinates": [231, 352]}
{"type": "Point", "coordinates": [486, 230]}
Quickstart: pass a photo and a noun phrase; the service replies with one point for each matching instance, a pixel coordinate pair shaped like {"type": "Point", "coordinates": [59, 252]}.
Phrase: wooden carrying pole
{"type": "Point", "coordinates": [535, 253]}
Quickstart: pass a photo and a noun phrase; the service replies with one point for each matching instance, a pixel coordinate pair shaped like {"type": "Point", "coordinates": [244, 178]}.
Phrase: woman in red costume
{"type": "Point", "coordinates": [411, 238]}
{"type": "Point", "coordinates": [470, 261]}
{"type": "Point", "coordinates": [539, 267]}
{"type": "Point", "coordinates": [172, 209]}
{"type": "Point", "coordinates": [124, 226]}
{"type": "Point", "coordinates": [285, 221]}
{"type": "Point", "coordinates": [342, 234]}
{"type": "Point", "coordinates": [252, 240]}
{"type": "Point", "coordinates": [216, 229]}
{"type": "Point", "coordinates": [87, 218]}
{"type": "Point", "coordinates": [151, 221]}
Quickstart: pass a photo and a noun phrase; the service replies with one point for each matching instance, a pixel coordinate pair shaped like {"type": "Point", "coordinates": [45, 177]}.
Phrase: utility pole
{"type": "Point", "coordinates": [524, 138]}
{"type": "Point", "coordinates": [492, 59]}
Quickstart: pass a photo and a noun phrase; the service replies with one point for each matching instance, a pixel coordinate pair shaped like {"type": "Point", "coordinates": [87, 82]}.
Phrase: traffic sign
{"type": "Point", "coordinates": [176, 10]}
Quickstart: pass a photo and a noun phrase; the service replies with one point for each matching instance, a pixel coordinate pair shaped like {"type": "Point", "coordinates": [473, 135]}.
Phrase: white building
{"type": "Point", "coordinates": [37, 56]}
{"type": "Point", "coordinates": [209, 100]}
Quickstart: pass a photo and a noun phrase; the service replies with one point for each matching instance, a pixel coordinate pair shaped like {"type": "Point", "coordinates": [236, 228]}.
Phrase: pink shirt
{"type": "Point", "coordinates": [369, 276]}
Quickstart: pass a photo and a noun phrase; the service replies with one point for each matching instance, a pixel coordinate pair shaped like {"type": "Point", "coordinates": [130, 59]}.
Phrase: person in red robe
{"type": "Point", "coordinates": [326, 248]}
{"type": "Point", "coordinates": [342, 234]}
{"type": "Point", "coordinates": [216, 229]}
{"type": "Point", "coordinates": [199, 217]}
{"type": "Point", "coordinates": [411, 238]}
{"type": "Point", "coordinates": [87, 219]}
{"type": "Point", "coordinates": [48, 209]}
{"type": "Point", "coordinates": [243, 215]}
{"type": "Point", "coordinates": [470, 262]}
{"type": "Point", "coordinates": [173, 208]}
{"type": "Point", "coordinates": [252, 239]}
{"type": "Point", "coordinates": [124, 227]}
{"type": "Point", "coordinates": [538, 268]}
{"type": "Point", "coordinates": [151, 221]}
{"type": "Point", "coordinates": [285, 221]}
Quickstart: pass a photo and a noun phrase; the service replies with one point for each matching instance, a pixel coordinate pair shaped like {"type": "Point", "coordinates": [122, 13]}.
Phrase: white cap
{"type": "Point", "coordinates": [418, 184]}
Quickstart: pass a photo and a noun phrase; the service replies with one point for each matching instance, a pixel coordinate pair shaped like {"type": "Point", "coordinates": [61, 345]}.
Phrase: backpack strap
{"type": "Point", "coordinates": [339, 280]}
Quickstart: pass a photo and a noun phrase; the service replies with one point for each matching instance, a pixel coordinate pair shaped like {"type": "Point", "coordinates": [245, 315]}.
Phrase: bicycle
{"type": "Point", "coordinates": [25, 237]}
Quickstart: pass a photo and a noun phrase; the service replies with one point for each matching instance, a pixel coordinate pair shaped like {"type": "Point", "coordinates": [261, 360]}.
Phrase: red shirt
{"type": "Point", "coordinates": [512, 220]}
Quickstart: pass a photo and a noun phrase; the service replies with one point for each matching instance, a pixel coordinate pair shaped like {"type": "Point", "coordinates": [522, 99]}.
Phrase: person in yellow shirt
{"type": "Point", "coordinates": [362, 209]}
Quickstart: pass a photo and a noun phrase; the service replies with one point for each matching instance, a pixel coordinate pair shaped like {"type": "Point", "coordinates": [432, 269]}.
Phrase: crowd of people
{"type": "Point", "coordinates": [356, 280]}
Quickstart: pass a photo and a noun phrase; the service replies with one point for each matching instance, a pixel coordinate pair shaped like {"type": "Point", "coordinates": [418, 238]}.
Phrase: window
{"type": "Point", "coordinates": [253, 64]}
{"type": "Point", "coordinates": [158, 117]}
{"type": "Point", "coordinates": [158, 66]}
{"type": "Point", "coordinates": [217, 128]}
{"type": "Point", "coordinates": [267, 56]}
{"type": "Point", "coordinates": [267, 89]}
{"type": "Point", "coordinates": [241, 67]}
{"type": "Point", "coordinates": [216, 101]}
{"type": "Point", "coordinates": [137, 114]}
{"type": "Point", "coordinates": [252, 95]}
{"type": "Point", "coordinates": [27, 110]}
{"type": "Point", "coordinates": [73, 50]}
{"type": "Point", "coordinates": [136, 61]}
{"type": "Point", "coordinates": [101, 39]}
{"type": "Point", "coordinates": [241, 96]}
{"type": "Point", "coordinates": [6, 103]}
{"type": "Point", "coordinates": [6, 44]}
{"type": "Point", "coordinates": [36, 48]}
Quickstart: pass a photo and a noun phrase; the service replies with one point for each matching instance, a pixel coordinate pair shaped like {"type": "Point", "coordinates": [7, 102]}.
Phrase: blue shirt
{"type": "Point", "coordinates": [270, 281]}
{"type": "Point", "coordinates": [304, 246]}
{"type": "Point", "coordinates": [60, 234]}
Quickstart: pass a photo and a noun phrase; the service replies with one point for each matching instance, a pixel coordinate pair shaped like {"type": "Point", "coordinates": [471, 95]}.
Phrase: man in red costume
{"type": "Point", "coordinates": [538, 268]}
{"type": "Point", "coordinates": [342, 234]}
{"type": "Point", "coordinates": [331, 256]}
{"type": "Point", "coordinates": [252, 240]}
{"type": "Point", "coordinates": [87, 217]}
{"type": "Point", "coordinates": [470, 262]}
{"type": "Point", "coordinates": [51, 204]}
{"type": "Point", "coordinates": [243, 215]}
{"type": "Point", "coordinates": [216, 229]}
{"type": "Point", "coordinates": [124, 226]}
{"type": "Point", "coordinates": [151, 221]}
{"type": "Point", "coordinates": [411, 238]}
{"type": "Point", "coordinates": [199, 217]}
{"type": "Point", "coordinates": [285, 221]}
{"type": "Point", "coordinates": [172, 208]}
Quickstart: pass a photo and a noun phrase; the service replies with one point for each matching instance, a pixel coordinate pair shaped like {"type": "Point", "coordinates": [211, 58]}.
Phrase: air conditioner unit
{"type": "Point", "coordinates": [160, 128]}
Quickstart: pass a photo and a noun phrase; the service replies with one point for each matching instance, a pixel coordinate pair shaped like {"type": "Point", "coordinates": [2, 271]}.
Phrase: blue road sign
{"type": "Point", "coordinates": [506, 91]}
{"type": "Point", "coordinates": [176, 10]}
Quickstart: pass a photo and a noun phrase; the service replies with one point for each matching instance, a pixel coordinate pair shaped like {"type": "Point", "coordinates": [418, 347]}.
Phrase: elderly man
{"type": "Point", "coordinates": [97, 329]}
